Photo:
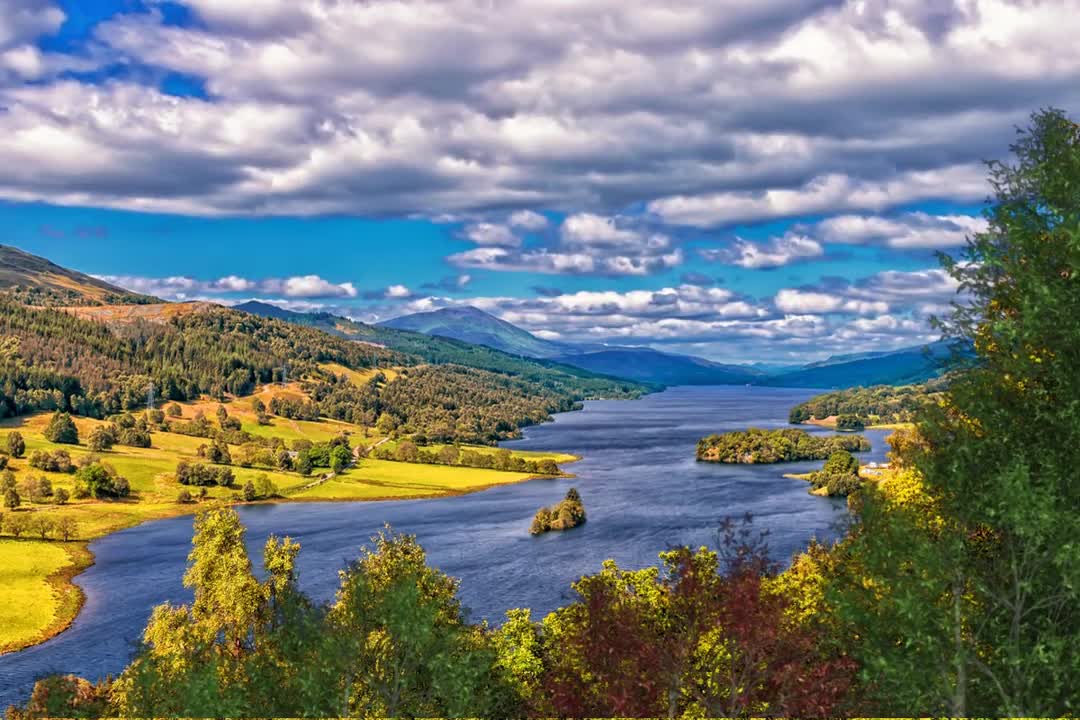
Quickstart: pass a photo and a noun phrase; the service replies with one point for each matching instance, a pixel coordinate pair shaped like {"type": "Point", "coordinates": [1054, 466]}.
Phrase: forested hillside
{"type": "Point", "coordinates": [870, 405]}
{"type": "Point", "coordinates": [36, 281]}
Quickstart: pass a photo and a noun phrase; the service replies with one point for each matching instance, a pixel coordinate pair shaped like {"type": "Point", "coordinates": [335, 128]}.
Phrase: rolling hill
{"type": "Point", "coordinates": [36, 281]}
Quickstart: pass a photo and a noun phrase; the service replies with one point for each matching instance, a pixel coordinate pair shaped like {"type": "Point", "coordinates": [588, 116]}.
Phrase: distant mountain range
{"type": "Point", "coordinates": [470, 336]}
{"type": "Point", "coordinates": [643, 364]}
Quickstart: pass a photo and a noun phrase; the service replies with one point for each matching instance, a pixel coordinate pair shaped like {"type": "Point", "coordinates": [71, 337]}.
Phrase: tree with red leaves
{"type": "Point", "coordinates": [702, 636]}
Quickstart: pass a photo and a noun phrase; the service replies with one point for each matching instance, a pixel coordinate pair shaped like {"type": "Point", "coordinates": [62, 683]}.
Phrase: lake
{"type": "Point", "coordinates": [641, 486]}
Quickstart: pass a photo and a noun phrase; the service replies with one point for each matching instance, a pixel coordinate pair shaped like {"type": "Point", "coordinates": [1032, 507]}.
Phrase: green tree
{"type": "Point", "coordinates": [340, 458]}
{"type": "Point", "coordinates": [61, 496]}
{"type": "Point", "coordinates": [61, 429]}
{"type": "Point", "coordinates": [303, 464]}
{"type": "Point", "coordinates": [249, 491]}
{"type": "Point", "coordinates": [11, 499]}
{"type": "Point", "coordinates": [14, 444]}
{"type": "Point", "coordinates": [984, 602]}
{"type": "Point", "coordinates": [101, 438]}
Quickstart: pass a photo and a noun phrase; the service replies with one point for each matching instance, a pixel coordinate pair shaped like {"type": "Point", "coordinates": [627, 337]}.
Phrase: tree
{"type": "Point", "coordinates": [449, 455]}
{"type": "Point", "coordinates": [340, 458]}
{"type": "Point", "coordinates": [249, 491]}
{"type": "Point", "coordinates": [101, 438]}
{"type": "Point", "coordinates": [173, 410]}
{"type": "Point", "coordinates": [41, 523]}
{"type": "Point", "coordinates": [283, 460]}
{"type": "Point", "coordinates": [15, 445]}
{"type": "Point", "coordinates": [407, 650]}
{"type": "Point", "coordinates": [61, 496]}
{"type": "Point", "coordinates": [184, 497]}
{"type": "Point", "coordinates": [984, 598]}
{"type": "Point", "coordinates": [264, 486]}
{"type": "Point", "coordinates": [17, 524]}
{"type": "Point", "coordinates": [406, 452]}
{"type": "Point", "coordinates": [303, 464]}
{"type": "Point", "coordinates": [849, 422]}
{"type": "Point", "coordinates": [61, 429]}
{"type": "Point", "coordinates": [11, 499]}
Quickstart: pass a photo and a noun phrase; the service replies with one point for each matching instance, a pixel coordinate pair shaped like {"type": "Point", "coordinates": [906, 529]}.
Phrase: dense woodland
{"type": "Point", "coordinates": [774, 446]}
{"type": "Point", "coordinates": [870, 405]}
{"type": "Point", "coordinates": [52, 360]}
{"type": "Point", "coordinates": [956, 590]}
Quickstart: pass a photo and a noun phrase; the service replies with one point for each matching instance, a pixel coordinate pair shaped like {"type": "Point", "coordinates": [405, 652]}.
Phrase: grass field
{"type": "Point", "coordinates": [360, 377]}
{"type": "Point", "coordinates": [36, 599]}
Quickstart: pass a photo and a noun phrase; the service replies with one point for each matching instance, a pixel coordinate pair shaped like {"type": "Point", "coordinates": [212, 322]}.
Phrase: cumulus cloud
{"type": "Point", "coordinates": [706, 113]}
{"type": "Point", "coordinates": [586, 244]}
{"type": "Point", "coordinates": [182, 287]}
{"type": "Point", "coordinates": [774, 253]}
{"type": "Point", "coordinates": [909, 231]}
{"type": "Point", "coordinates": [528, 220]}
{"type": "Point", "coordinates": [491, 234]}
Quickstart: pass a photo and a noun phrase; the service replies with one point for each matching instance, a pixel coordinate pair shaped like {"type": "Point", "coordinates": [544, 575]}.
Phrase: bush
{"type": "Point", "coordinates": [173, 410]}
{"type": "Point", "coordinates": [60, 497]}
{"type": "Point", "coordinates": [61, 429]}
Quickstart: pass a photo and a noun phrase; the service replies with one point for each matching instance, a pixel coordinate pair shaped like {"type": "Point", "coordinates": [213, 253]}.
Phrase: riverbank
{"type": "Point", "coordinates": [44, 599]}
{"type": "Point", "coordinates": [38, 599]}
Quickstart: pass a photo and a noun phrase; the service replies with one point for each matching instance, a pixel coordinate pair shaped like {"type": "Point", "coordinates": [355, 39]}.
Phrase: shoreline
{"type": "Point", "coordinates": [72, 597]}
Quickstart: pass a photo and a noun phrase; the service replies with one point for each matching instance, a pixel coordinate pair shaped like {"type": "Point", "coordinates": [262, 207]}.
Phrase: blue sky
{"type": "Point", "coordinates": [763, 181]}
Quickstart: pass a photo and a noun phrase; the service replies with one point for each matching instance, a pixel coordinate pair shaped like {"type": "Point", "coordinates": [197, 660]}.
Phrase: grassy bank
{"type": "Point", "coordinates": [37, 598]}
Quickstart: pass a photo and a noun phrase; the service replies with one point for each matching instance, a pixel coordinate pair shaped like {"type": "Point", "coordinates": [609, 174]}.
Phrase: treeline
{"type": "Point", "coordinates": [773, 446]}
{"type": "Point", "coordinates": [501, 459]}
{"type": "Point", "coordinates": [870, 405]}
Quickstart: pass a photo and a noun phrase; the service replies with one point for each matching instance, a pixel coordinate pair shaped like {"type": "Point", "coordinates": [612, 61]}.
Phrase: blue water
{"type": "Point", "coordinates": [642, 489]}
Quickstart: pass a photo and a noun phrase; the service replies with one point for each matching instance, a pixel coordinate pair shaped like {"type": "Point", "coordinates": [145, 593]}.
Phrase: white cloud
{"type": "Point", "coordinates": [398, 291]}
{"type": "Point", "coordinates": [491, 234]}
{"type": "Point", "coordinates": [912, 230]}
{"type": "Point", "coordinates": [528, 220]}
{"type": "Point", "coordinates": [824, 193]}
{"type": "Point", "coordinates": [705, 112]}
{"type": "Point", "coordinates": [774, 253]}
{"type": "Point", "coordinates": [179, 287]}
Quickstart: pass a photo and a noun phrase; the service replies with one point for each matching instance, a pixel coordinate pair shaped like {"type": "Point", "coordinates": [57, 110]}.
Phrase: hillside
{"type": "Point", "coordinates": [477, 327]}
{"type": "Point", "coordinates": [36, 281]}
{"type": "Point", "coordinates": [902, 367]}
{"type": "Point", "coordinates": [648, 365]}
{"type": "Point", "coordinates": [443, 350]}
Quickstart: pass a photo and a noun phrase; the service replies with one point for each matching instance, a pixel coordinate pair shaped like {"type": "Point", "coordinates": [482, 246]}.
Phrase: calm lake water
{"type": "Point", "coordinates": [642, 490]}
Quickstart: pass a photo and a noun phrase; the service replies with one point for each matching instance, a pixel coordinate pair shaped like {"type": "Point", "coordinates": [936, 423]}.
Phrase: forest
{"type": "Point", "coordinates": [955, 591]}
{"type": "Point", "coordinates": [775, 446]}
{"type": "Point", "coordinates": [879, 404]}
{"type": "Point", "coordinates": [52, 360]}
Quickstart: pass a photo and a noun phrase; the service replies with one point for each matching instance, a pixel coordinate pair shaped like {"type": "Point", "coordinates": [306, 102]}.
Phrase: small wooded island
{"type": "Point", "coordinates": [755, 446]}
{"type": "Point", "coordinates": [567, 514]}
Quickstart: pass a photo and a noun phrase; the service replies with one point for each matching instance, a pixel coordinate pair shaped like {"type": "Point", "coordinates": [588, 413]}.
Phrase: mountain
{"type": "Point", "coordinates": [899, 367]}
{"type": "Point", "coordinates": [641, 364]}
{"type": "Point", "coordinates": [441, 350]}
{"type": "Point", "coordinates": [36, 281]}
{"type": "Point", "coordinates": [475, 326]}
{"type": "Point", "coordinates": [653, 366]}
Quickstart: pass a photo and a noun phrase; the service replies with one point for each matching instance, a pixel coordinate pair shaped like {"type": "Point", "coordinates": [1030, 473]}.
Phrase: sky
{"type": "Point", "coordinates": [745, 180]}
